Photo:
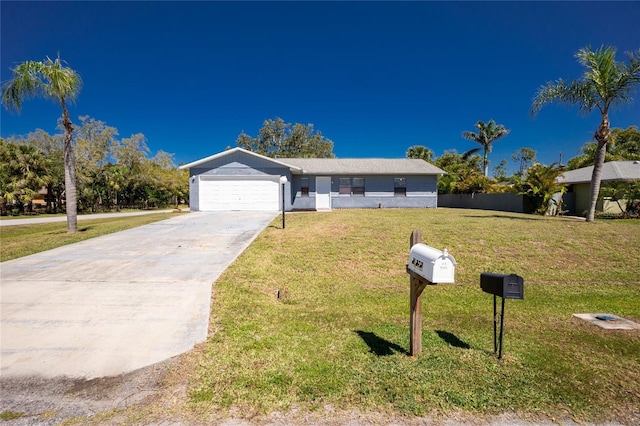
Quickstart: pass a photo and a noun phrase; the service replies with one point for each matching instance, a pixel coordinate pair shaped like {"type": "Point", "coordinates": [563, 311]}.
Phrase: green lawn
{"type": "Point", "coordinates": [23, 240]}
{"type": "Point", "coordinates": [339, 334]}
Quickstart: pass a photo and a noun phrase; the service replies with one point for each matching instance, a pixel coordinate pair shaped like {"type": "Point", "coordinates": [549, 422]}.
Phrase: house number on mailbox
{"type": "Point", "coordinates": [417, 263]}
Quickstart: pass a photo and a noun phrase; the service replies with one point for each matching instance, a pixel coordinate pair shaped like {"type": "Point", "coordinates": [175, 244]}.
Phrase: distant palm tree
{"type": "Point", "coordinates": [604, 84]}
{"type": "Point", "coordinates": [540, 184]}
{"type": "Point", "coordinates": [488, 133]}
{"type": "Point", "coordinates": [23, 171]}
{"type": "Point", "coordinates": [420, 152]}
{"type": "Point", "coordinates": [50, 79]}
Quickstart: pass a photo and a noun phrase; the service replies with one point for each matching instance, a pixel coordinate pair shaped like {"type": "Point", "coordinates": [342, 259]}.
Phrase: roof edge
{"type": "Point", "coordinates": [231, 151]}
{"type": "Point", "coordinates": [614, 166]}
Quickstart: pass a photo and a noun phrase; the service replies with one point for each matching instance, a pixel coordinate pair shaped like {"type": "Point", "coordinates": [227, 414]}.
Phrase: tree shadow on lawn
{"type": "Point", "coordinates": [380, 346]}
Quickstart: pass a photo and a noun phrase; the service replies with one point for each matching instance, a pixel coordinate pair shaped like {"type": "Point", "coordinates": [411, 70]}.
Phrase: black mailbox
{"type": "Point", "coordinates": [506, 286]}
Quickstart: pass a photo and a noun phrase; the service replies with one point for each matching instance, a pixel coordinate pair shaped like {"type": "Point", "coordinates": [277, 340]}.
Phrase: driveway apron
{"type": "Point", "coordinates": [117, 303]}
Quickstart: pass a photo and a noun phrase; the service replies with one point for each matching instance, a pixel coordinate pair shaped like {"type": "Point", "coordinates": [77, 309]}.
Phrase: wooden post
{"type": "Point", "coordinates": [416, 285]}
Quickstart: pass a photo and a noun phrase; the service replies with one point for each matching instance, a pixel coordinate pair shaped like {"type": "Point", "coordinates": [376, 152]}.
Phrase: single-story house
{"type": "Point", "coordinates": [238, 179]}
{"type": "Point", "coordinates": [579, 184]}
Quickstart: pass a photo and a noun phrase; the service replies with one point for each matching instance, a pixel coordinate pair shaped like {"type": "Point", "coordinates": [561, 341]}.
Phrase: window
{"type": "Point", "coordinates": [357, 187]}
{"type": "Point", "coordinates": [400, 187]}
{"type": "Point", "coordinates": [304, 187]}
{"type": "Point", "coordinates": [351, 187]}
{"type": "Point", "coordinates": [345, 186]}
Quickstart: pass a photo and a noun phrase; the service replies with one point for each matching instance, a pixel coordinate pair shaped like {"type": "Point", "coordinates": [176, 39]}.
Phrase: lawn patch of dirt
{"type": "Point", "coordinates": [40, 401]}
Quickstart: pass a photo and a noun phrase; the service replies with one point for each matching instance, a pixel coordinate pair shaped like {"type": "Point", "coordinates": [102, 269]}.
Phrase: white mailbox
{"type": "Point", "coordinates": [436, 266]}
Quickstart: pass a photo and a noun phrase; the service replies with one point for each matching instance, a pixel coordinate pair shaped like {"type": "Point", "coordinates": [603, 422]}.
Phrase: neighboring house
{"type": "Point", "coordinates": [238, 179]}
{"type": "Point", "coordinates": [579, 181]}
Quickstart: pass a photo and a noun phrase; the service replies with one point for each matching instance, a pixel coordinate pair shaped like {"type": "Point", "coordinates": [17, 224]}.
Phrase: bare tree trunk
{"type": "Point", "coordinates": [49, 197]}
{"type": "Point", "coordinates": [602, 135]}
{"type": "Point", "coordinates": [69, 173]}
{"type": "Point", "coordinates": [58, 203]}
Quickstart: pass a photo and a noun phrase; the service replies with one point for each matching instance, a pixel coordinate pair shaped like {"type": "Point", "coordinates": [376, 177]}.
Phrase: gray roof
{"type": "Point", "coordinates": [339, 166]}
{"type": "Point", "coordinates": [231, 151]}
{"type": "Point", "coordinates": [363, 166]}
{"type": "Point", "coordinates": [611, 171]}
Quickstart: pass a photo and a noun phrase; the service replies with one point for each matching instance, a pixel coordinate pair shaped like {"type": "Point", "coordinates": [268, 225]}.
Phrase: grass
{"type": "Point", "coordinates": [9, 415]}
{"type": "Point", "coordinates": [43, 214]}
{"type": "Point", "coordinates": [16, 217]}
{"type": "Point", "coordinates": [23, 240]}
{"type": "Point", "coordinates": [338, 336]}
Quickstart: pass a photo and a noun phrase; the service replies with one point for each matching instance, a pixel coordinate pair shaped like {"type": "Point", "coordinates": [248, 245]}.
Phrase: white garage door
{"type": "Point", "coordinates": [239, 193]}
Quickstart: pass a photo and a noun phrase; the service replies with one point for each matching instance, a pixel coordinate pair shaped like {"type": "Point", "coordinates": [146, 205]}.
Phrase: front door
{"type": "Point", "coordinates": [323, 193]}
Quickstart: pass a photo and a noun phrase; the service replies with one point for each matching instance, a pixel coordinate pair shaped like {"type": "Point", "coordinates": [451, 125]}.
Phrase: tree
{"type": "Point", "coordinates": [130, 176]}
{"type": "Point", "coordinates": [525, 157]}
{"type": "Point", "coordinates": [170, 184]}
{"type": "Point", "coordinates": [605, 83]}
{"type": "Point", "coordinates": [540, 184]}
{"type": "Point", "coordinates": [464, 174]}
{"type": "Point", "coordinates": [625, 192]}
{"type": "Point", "coordinates": [488, 133]}
{"type": "Point", "coordinates": [94, 143]}
{"type": "Point", "coordinates": [52, 148]}
{"type": "Point", "coordinates": [50, 79]}
{"type": "Point", "coordinates": [500, 171]}
{"type": "Point", "coordinates": [22, 174]}
{"type": "Point", "coordinates": [624, 146]}
{"type": "Point", "coordinates": [284, 140]}
{"type": "Point", "coordinates": [420, 152]}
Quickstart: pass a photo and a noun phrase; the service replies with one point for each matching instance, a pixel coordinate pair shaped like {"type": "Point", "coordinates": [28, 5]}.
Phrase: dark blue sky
{"type": "Point", "coordinates": [374, 77]}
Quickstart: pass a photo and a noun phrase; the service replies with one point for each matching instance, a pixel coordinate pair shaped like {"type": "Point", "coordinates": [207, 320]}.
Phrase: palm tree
{"type": "Point", "coordinates": [540, 185]}
{"type": "Point", "coordinates": [604, 84]}
{"type": "Point", "coordinates": [420, 152]}
{"type": "Point", "coordinates": [488, 133]}
{"type": "Point", "coordinates": [23, 173]}
{"type": "Point", "coordinates": [50, 79]}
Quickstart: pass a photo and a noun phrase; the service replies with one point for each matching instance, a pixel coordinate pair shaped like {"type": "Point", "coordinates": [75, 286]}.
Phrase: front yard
{"type": "Point", "coordinates": [314, 320]}
{"type": "Point", "coordinates": [311, 324]}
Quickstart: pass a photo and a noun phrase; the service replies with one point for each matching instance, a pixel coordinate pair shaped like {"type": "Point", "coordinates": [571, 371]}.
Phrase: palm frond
{"type": "Point", "coordinates": [49, 79]}
{"type": "Point", "coordinates": [470, 153]}
{"type": "Point", "coordinates": [627, 80]}
{"type": "Point", "coordinates": [24, 85]}
{"type": "Point", "coordinates": [604, 83]}
{"type": "Point", "coordinates": [65, 83]}
{"type": "Point", "coordinates": [471, 136]}
{"type": "Point", "coordinates": [576, 93]}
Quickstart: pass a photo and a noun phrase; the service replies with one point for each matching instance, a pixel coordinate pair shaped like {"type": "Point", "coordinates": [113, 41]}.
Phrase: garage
{"type": "Point", "coordinates": [239, 193]}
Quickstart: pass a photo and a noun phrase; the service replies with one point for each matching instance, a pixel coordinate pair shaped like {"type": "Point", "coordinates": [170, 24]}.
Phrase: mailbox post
{"type": "Point", "coordinates": [426, 266]}
{"type": "Point", "coordinates": [416, 286]}
{"type": "Point", "coordinates": [283, 181]}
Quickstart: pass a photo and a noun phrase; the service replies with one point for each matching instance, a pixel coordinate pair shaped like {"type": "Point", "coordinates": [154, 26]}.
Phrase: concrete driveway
{"type": "Point", "coordinates": [116, 303]}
